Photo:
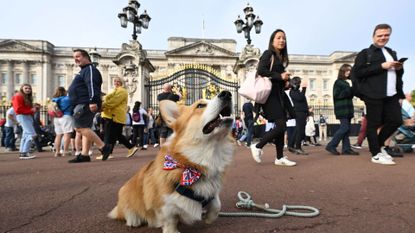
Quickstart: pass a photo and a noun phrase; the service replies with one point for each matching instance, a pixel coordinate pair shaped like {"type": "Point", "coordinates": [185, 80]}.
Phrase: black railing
{"type": "Point", "coordinates": [44, 117]}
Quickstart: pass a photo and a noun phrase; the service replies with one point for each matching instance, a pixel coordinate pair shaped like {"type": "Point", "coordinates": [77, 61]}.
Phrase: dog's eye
{"type": "Point", "coordinates": [201, 106]}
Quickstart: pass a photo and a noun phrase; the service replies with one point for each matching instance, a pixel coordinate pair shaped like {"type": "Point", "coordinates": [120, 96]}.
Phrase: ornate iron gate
{"type": "Point", "coordinates": [193, 83]}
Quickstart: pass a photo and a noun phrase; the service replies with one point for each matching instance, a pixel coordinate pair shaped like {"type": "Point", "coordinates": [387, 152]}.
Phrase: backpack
{"type": "Point", "coordinates": [2, 122]}
{"type": "Point", "coordinates": [54, 110]}
{"type": "Point", "coordinates": [356, 83]}
{"type": "Point", "coordinates": [322, 120]}
{"type": "Point", "coordinates": [136, 116]}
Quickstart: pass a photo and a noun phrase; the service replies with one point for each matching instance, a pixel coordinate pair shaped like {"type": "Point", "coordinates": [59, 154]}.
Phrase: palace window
{"type": "Point", "coordinates": [17, 79]}
{"type": "Point", "coordinates": [33, 79]}
{"type": "Point", "coordinates": [325, 84]}
{"type": "Point", "coordinates": [61, 81]}
{"type": "Point", "coordinates": [3, 78]}
{"type": "Point", "coordinates": [312, 84]}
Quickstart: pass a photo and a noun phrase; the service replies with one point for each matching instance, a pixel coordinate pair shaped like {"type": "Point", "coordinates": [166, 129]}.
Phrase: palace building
{"type": "Point", "coordinates": [198, 68]}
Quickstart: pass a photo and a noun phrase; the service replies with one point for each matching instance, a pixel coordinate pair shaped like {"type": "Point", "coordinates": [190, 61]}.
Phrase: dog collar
{"type": "Point", "coordinates": [185, 191]}
{"type": "Point", "coordinates": [189, 176]}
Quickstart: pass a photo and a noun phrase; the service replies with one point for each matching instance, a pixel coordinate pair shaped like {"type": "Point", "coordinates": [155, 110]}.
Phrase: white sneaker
{"type": "Point", "coordinates": [256, 153]}
{"type": "Point", "coordinates": [380, 158]}
{"type": "Point", "coordinates": [27, 156]}
{"type": "Point", "coordinates": [156, 145]}
{"type": "Point", "coordinates": [385, 153]}
{"type": "Point", "coordinates": [284, 162]}
{"type": "Point", "coordinates": [100, 157]}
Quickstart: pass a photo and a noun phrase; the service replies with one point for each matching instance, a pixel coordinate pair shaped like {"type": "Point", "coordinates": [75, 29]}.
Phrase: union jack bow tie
{"type": "Point", "coordinates": [189, 176]}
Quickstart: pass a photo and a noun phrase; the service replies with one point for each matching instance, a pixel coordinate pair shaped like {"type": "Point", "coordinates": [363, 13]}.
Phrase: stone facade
{"type": "Point", "coordinates": [46, 66]}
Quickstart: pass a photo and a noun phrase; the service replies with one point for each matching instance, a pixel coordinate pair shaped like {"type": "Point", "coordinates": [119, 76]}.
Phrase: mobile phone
{"type": "Point", "coordinates": [402, 60]}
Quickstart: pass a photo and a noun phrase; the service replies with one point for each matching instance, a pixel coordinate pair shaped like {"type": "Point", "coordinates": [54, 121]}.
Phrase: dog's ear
{"type": "Point", "coordinates": [169, 111]}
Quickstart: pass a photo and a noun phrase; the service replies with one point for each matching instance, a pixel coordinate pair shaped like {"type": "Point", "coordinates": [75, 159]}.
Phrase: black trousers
{"type": "Point", "coordinates": [275, 135]}
{"type": "Point", "coordinates": [138, 132]}
{"type": "Point", "coordinates": [385, 113]}
{"type": "Point", "coordinates": [299, 132]}
{"type": "Point", "coordinates": [113, 132]}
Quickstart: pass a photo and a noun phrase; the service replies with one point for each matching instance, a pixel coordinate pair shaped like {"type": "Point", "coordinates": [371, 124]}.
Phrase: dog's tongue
{"type": "Point", "coordinates": [209, 127]}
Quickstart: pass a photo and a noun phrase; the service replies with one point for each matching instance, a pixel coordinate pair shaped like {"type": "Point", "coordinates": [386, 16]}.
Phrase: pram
{"type": "Point", "coordinates": [404, 138]}
{"type": "Point", "coordinates": [46, 138]}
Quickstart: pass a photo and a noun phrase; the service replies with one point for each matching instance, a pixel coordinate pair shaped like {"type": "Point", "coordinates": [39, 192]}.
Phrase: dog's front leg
{"type": "Point", "coordinates": [212, 210]}
{"type": "Point", "coordinates": [170, 225]}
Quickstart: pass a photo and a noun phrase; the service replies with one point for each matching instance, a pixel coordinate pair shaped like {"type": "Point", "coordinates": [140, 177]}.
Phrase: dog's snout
{"type": "Point", "coordinates": [225, 95]}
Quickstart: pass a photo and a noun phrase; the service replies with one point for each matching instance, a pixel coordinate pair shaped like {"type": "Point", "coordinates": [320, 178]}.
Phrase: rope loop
{"type": "Point", "coordinates": [245, 201]}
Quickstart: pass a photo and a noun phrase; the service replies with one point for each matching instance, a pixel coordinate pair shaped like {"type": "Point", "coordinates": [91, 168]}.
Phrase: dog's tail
{"type": "Point", "coordinates": [114, 213]}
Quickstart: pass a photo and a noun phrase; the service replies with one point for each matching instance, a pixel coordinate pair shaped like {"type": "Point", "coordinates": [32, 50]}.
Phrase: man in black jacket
{"type": "Point", "coordinates": [85, 95]}
{"type": "Point", "coordinates": [380, 76]}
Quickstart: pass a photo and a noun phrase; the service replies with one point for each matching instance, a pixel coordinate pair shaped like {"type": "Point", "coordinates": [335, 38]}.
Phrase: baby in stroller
{"type": "Point", "coordinates": [404, 138]}
{"type": "Point", "coordinates": [45, 137]}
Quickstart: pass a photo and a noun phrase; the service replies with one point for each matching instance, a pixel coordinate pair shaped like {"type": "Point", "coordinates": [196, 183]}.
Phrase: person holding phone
{"type": "Point", "coordinates": [381, 85]}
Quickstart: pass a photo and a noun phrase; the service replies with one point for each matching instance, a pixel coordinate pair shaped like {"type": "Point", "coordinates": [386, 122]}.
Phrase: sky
{"type": "Point", "coordinates": [313, 27]}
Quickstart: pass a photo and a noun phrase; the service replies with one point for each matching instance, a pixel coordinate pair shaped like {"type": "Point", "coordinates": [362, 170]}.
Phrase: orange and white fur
{"type": "Point", "coordinates": [201, 139]}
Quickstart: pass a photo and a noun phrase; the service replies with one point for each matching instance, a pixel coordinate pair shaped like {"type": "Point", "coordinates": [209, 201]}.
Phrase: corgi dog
{"type": "Point", "coordinates": [183, 182]}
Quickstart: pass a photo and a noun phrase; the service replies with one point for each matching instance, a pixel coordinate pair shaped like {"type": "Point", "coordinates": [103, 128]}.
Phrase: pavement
{"type": "Point", "coordinates": [47, 194]}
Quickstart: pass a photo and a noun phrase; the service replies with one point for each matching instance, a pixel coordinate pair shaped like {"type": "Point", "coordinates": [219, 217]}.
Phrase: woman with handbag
{"type": "Point", "coordinates": [277, 109]}
{"type": "Point", "coordinates": [63, 125]}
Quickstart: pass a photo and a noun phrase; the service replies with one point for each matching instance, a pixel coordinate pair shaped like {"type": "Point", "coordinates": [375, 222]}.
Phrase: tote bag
{"type": "Point", "coordinates": [256, 87]}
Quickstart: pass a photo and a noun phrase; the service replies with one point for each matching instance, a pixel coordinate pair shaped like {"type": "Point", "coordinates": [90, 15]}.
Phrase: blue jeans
{"type": "Point", "coordinates": [10, 139]}
{"type": "Point", "coordinates": [152, 136]}
{"type": "Point", "coordinates": [342, 134]}
{"type": "Point", "coordinates": [249, 131]}
{"type": "Point", "coordinates": [26, 121]}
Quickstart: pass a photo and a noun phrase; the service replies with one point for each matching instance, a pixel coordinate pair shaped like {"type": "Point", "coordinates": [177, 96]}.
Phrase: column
{"type": "Point", "coordinates": [10, 80]}
{"type": "Point", "coordinates": [46, 79]}
{"type": "Point", "coordinates": [106, 82]}
{"type": "Point", "coordinates": [69, 75]}
{"type": "Point", "coordinates": [25, 71]}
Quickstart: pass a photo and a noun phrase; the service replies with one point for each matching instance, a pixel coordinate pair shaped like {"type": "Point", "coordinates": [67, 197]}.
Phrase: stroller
{"type": "Point", "coordinates": [404, 138]}
{"type": "Point", "coordinates": [46, 138]}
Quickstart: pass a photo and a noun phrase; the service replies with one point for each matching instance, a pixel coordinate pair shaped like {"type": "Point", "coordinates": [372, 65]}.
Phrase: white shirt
{"type": "Point", "coordinates": [391, 85]}
{"type": "Point", "coordinates": [407, 106]}
{"type": "Point", "coordinates": [10, 113]}
{"type": "Point", "coordinates": [142, 113]}
{"type": "Point", "coordinates": [290, 122]}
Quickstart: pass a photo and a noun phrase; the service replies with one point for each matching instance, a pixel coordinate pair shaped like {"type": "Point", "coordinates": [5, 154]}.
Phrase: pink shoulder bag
{"type": "Point", "coordinates": [256, 88]}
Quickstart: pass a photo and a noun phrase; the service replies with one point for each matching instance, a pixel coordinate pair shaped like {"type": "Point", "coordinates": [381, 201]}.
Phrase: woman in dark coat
{"type": "Point", "coordinates": [344, 111]}
{"type": "Point", "coordinates": [277, 106]}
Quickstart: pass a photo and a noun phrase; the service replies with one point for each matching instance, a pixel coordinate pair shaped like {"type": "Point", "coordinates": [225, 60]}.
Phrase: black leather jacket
{"type": "Point", "coordinates": [374, 77]}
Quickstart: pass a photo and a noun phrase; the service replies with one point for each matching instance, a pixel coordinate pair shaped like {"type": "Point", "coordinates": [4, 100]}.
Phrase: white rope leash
{"type": "Point", "coordinates": [245, 201]}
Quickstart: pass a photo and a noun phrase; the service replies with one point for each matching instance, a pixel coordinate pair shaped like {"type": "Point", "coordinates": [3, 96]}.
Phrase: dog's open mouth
{"type": "Point", "coordinates": [224, 118]}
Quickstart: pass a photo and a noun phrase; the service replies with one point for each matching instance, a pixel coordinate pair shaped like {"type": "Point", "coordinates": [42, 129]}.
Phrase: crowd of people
{"type": "Point", "coordinates": [377, 81]}
{"type": "Point", "coordinates": [88, 117]}
{"type": "Point", "coordinates": [83, 117]}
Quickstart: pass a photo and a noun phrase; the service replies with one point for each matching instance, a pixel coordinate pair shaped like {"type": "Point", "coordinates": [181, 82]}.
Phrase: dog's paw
{"type": "Point", "coordinates": [210, 217]}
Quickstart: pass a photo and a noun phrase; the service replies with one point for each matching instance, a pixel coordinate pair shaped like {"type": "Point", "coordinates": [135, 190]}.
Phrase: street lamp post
{"type": "Point", "coordinates": [251, 22]}
{"type": "Point", "coordinates": [130, 14]}
{"type": "Point", "coordinates": [95, 56]}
